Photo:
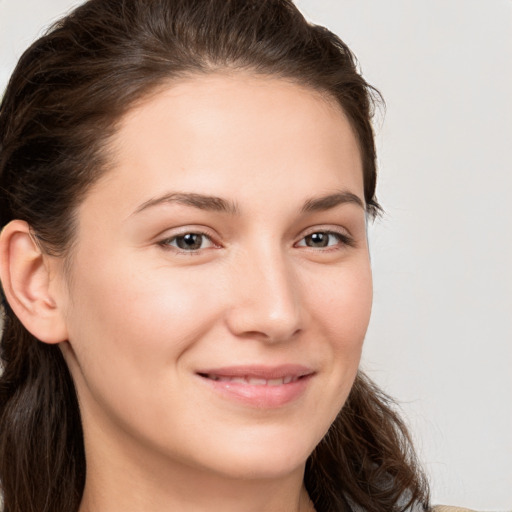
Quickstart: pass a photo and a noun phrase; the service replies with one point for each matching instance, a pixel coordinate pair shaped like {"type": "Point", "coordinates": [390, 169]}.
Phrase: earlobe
{"type": "Point", "coordinates": [26, 280]}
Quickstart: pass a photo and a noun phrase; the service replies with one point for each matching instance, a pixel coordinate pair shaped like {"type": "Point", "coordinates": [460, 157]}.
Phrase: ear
{"type": "Point", "coordinates": [25, 273]}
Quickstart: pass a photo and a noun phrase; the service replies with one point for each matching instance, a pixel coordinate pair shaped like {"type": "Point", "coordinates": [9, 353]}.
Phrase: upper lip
{"type": "Point", "coordinates": [259, 371]}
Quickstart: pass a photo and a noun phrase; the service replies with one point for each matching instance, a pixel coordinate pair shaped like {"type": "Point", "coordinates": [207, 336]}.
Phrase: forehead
{"type": "Point", "coordinates": [233, 133]}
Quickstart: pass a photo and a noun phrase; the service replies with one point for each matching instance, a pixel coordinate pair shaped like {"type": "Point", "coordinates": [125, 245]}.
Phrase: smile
{"type": "Point", "coordinates": [258, 386]}
{"type": "Point", "coordinates": [254, 381]}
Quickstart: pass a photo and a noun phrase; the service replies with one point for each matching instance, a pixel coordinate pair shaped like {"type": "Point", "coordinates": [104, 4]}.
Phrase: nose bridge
{"type": "Point", "coordinates": [267, 295]}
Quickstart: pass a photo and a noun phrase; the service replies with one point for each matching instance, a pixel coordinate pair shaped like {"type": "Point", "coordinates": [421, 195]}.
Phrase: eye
{"type": "Point", "coordinates": [322, 239]}
{"type": "Point", "coordinates": [189, 242]}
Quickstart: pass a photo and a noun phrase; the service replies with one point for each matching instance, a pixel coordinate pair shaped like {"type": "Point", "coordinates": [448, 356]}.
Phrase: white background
{"type": "Point", "coordinates": [440, 340]}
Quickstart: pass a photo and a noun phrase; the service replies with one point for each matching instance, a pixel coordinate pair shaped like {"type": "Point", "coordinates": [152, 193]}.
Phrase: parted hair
{"type": "Point", "coordinates": [62, 105]}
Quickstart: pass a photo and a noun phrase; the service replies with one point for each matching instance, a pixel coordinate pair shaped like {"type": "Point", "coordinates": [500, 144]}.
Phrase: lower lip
{"type": "Point", "coordinates": [263, 397]}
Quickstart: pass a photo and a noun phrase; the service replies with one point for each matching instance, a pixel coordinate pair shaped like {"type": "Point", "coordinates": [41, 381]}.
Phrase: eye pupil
{"type": "Point", "coordinates": [317, 240]}
{"type": "Point", "coordinates": [189, 241]}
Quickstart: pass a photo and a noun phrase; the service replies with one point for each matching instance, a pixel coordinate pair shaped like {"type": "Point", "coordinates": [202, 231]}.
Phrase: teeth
{"type": "Point", "coordinates": [254, 381]}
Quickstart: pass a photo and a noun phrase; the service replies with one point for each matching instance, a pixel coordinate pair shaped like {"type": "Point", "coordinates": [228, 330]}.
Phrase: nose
{"type": "Point", "coordinates": [266, 298]}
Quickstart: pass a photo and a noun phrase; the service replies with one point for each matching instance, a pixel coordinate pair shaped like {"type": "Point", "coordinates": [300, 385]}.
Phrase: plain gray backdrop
{"type": "Point", "coordinates": [440, 340]}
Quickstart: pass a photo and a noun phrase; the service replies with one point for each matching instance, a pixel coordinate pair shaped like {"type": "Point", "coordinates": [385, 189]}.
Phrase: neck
{"type": "Point", "coordinates": [131, 491]}
{"type": "Point", "coordinates": [121, 479]}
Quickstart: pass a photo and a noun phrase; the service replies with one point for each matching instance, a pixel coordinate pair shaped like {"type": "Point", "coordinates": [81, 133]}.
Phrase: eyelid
{"type": "Point", "coordinates": [346, 239]}
{"type": "Point", "coordinates": [343, 234]}
{"type": "Point", "coordinates": [164, 241]}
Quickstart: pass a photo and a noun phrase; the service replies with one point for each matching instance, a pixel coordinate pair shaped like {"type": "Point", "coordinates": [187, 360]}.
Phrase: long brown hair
{"type": "Point", "coordinates": [63, 102]}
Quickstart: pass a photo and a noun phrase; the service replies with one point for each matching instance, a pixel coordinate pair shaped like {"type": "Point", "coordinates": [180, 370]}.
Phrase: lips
{"type": "Point", "coordinates": [259, 386]}
{"type": "Point", "coordinates": [253, 381]}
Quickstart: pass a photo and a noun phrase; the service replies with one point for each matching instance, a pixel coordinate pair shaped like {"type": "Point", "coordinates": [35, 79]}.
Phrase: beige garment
{"type": "Point", "coordinates": [445, 508]}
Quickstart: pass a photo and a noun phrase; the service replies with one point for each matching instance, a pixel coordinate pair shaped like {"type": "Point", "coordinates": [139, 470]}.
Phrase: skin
{"type": "Point", "coordinates": [137, 317]}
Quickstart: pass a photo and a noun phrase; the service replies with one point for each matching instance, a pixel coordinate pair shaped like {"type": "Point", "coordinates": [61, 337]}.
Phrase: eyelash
{"type": "Point", "coordinates": [167, 242]}
{"type": "Point", "coordinates": [344, 240]}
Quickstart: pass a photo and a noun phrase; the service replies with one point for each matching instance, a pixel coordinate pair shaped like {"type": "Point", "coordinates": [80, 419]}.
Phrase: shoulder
{"type": "Point", "coordinates": [446, 508]}
{"type": "Point", "coordinates": [439, 508]}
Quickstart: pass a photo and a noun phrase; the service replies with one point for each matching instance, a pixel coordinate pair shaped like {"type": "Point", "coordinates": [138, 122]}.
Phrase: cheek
{"type": "Point", "coordinates": [130, 333]}
{"type": "Point", "coordinates": [341, 310]}
{"type": "Point", "coordinates": [141, 318]}
{"type": "Point", "coordinates": [343, 305]}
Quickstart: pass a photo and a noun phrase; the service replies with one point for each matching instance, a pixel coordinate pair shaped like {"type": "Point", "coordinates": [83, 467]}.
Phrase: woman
{"type": "Point", "coordinates": [185, 191]}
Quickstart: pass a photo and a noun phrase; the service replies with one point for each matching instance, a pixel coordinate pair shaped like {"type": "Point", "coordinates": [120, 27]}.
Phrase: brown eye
{"type": "Point", "coordinates": [322, 239]}
{"type": "Point", "coordinates": [318, 239]}
{"type": "Point", "coordinates": [189, 242]}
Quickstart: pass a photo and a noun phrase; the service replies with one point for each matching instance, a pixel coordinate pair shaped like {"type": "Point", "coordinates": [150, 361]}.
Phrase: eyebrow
{"type": "Point", "coordinates": [318, 204]}
{"type": "Point", "coordinates": [218, 204]}
{"type": "Point", "coordinates": [203, 202]}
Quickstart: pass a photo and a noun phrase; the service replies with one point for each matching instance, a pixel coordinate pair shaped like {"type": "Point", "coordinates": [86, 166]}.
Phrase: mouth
{"type": "Point", "coordinates": [259, 386]}
{"type": "Point", "coordinates": [253, 381]}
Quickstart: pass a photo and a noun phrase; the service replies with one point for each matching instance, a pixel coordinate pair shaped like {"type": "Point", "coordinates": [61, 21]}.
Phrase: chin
{"type": "Point", "coordinates": [265, 456]}
{"type": "Point", "coordinates": [265, 467]}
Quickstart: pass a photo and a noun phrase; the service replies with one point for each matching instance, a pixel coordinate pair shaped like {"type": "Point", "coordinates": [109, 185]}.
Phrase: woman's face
{"type": "Point", "coordinates": [220, 284]}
